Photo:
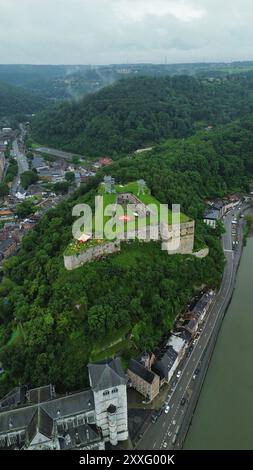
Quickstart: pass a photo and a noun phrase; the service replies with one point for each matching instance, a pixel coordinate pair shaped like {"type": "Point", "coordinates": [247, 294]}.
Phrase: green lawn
{"type": "Point", "coordinates": [115, 343]}
{"type": "Point", "coordinates": [108, 353]}
{"type": "Point", "coordinates": [131, 225]}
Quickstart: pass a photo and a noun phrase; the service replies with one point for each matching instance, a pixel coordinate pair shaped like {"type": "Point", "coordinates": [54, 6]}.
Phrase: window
{"type": "Point", "coordinates": [106, 392]}
{"type": "Point", "coordinates": [114, 390]}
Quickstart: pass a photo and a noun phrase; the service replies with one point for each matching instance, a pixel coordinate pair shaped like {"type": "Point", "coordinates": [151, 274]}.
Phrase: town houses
{"type": "Point", "coordinates": [149, 372]}
{"type": "Point", "coordinates": [217, 209]}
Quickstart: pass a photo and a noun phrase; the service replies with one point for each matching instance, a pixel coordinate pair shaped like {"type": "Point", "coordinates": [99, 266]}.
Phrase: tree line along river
{"type": "Point", "coordinates": [224, 414]}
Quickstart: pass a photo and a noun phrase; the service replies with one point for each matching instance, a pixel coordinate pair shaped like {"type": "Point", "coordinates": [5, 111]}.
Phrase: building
{"type": "Point", "coordinates": [108, 383]}
{"type": "Point", "coordinates": [105, 161]}
{"type": "Point", "coordinates": [39, 163]}
{"type": "Point", "coordinates": [211, 216]}
{"type": "Point", "coordinates": [200, 309]}
{"type": "Point", "coordinates": [171, 354]}
{"type": "Point", "coordinates": [145, 381]}
{"type": "Point", "coordinates": [6, 214]}
{"type": "Point", "coordinates": [39, 420]}
{"type": "Point", "coordinates": [219, 205]}
{"type": "Point", "coordinates": [178, 344]}
{"type": "Point", "coordinates": [166, 363]}
{"type": "Point", "coordinates": [7, 248]}
{"type": "Point", "coordinates": [191, 326]}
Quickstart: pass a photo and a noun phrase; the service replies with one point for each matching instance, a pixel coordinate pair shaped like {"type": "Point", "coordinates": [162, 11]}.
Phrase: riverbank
{"type": "Point", "coordinates": [217, 420]}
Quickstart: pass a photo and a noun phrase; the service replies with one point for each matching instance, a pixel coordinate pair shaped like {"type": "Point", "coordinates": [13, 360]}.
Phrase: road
{"type": "Point", "coordinates": [165, 433]}
{"type": "Point", "coordinates": [22, 165]}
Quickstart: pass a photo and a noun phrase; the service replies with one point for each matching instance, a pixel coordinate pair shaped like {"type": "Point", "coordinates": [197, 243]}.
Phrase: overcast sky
{"type": "Point", "coordinates": [120, 31]}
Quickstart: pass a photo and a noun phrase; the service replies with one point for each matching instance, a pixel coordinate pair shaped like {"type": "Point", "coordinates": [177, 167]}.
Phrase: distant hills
{"type": "Point", "coordinates": [136, 112]}
{"type": "Point", "coordinates": [15, 101]}
{"type": "Point", "coordinates": [63, 82]}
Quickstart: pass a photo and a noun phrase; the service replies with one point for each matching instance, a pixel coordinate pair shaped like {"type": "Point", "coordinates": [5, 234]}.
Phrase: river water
{"type": "Point", "coordinates": [223, 418]}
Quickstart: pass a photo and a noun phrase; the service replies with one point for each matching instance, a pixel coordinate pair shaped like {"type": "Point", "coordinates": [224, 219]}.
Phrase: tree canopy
{"type": "Point", "coordinates": [137, 112]}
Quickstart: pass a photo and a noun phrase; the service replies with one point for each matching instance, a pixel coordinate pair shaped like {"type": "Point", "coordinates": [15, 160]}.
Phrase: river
{"type": "Point", "coordinates": [224, 414]}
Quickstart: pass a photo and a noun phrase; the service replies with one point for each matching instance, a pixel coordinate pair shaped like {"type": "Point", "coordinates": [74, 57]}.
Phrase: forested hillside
{"type": "Point", "coordinates": [15, 101]}
{"type": "Point", "coordinates": [134, 113]}
{"type": "Point", "coordinates": [52, 322]}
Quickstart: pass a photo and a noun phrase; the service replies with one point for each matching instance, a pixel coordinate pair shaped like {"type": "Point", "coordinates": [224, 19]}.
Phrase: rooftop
{"type": "Point", "coordinates": [176, 342]}
{"type": "Point", "coordinates": [212, 214]}
{"type": "Point", "coordinates": [106, 374]}
{"type": "Point", "coordinates": [139, 369]}
{"type": "Point", "coordinates": [166, 360]}
{"type": "Point", "coordinates": [64, 406]}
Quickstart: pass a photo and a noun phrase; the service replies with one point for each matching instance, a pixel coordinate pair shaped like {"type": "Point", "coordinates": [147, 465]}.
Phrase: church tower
{"type": "Point", "coordinates": [108, 383]}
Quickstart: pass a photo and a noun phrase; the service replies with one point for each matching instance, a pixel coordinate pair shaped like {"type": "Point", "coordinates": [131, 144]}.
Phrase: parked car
{"type": "Point", "coordinates": [167, 409]}
{"type": "Point", "coordinates": [179, 374]}
{"type": "Point", "coordinates": [160, 411]}
{"type": "Point", "coordinates": [183, 401]}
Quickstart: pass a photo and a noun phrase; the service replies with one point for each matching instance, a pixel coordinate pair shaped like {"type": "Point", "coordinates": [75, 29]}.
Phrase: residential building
{"type": "Point", "coordinates": [166, 363]}
{"type": "Point", "coordinates": [219, 205]}
{"type": "Point", "coordinates": [200, 309]}
{"type": "Point", "coordinates": [6, 214]}
{"type": "Point", "coordinates": [171, 355]}
{"type": "Point", "coordinates": [7, 248]}
{"type": "Point", "coordinates": [190, 325]}
{"type": "Point", "coordinates": [144, 380]}
{"type": "Point", "coordinates": [211, 216]}
{"type": "Point", "coordinates": [178, 343]}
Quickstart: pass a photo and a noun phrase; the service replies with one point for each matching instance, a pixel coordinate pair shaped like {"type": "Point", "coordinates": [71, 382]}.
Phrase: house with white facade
{"type": "Point", "coordinates": [211, 216]}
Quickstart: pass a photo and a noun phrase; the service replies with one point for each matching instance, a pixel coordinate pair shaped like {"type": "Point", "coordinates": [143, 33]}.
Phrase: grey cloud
{"type": "Point", "coordinates": [106, 31]}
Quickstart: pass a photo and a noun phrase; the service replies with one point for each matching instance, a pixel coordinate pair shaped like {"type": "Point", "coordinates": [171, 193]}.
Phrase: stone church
{"type": "Point", "coordinates": [38, 419]}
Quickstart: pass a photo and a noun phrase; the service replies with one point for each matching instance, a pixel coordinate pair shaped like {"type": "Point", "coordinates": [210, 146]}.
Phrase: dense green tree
{"type": "Point", "coordinates": [25, 208]}
{"type": "Point", "coordinates": [61, 187]}
{"type": "Point", "coordinates": [70, 176]}
{"type": "Point", "coordinates": [138, 112]}
{"type": "Point", "coordinates": [4, 190]}
{"type": "Point", "coordinates": [29, 177]}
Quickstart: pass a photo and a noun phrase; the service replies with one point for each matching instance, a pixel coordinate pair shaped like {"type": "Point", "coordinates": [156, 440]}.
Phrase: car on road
{"type": "Point", "coordinates": [183, 401]}
{"type": "Point", "coordinates": [169, 434]}
{"type": "Point", "coordinates": [174, 422]}
{"type": "Point", "coordinates": [165, 445]}
{"type": "Point", "coordinates": [174, 439]}
{"type": "Point", "coordinates": [167, 409]}
{"type": "Point", "coordinates": [179, 374]}
{"type": "Point", "coordinates": [154, 418]}
{"type": "Point", "coordinates": [194, 376]}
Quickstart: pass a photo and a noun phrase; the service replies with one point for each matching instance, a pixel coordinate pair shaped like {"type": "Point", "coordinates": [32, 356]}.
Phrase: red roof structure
{"type": "Point", "coordinates": [105, 161]}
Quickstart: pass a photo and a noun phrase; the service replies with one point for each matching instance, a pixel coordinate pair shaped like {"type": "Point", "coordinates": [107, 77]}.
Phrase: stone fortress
{"type": "Point", "coordinates": [183, 238]}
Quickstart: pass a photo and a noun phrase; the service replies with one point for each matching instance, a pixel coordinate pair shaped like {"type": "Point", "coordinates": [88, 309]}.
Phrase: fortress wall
{"type": "Point", "coordinates": [75, 261]}
{"type": "Point", "coordinates": [186, 244]}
